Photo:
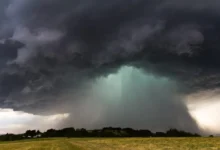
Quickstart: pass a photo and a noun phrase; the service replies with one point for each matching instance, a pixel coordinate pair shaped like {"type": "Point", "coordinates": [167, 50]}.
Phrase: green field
{"type": "Point", "coordinates": [115, 144]}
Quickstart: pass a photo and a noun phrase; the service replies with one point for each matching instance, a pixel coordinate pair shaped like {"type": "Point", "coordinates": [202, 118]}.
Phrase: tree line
{"type": "Point", "coordinates": [105, 132]}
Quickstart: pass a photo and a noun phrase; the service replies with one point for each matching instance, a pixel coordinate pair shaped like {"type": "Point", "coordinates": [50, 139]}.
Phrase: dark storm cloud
{"type": "Point", "coordinates": [52, 49]}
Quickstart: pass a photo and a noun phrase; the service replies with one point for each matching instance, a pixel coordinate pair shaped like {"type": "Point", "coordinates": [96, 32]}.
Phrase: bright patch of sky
{"type": "Point", "coordinates": [18, 122]}
{"type": "Point", "coordinates": [204, 108]}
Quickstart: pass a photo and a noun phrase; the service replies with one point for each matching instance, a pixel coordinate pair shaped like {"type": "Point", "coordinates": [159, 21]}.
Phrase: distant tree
{"type": "Point", "coordinates": [68, 132]}
{"type": "Point", "coordinates": [84, 132]}
{"type": "Point", "coordinates": [130, 132]}
{"type": "Point", "coordinates": [38, 134]}
{"type": "Point", "coordinates": [160, 134]}
{"type": "Point", "coordinates": [95, 133]}
{"type": "Point", "coordinates": [145, 133]}
{"type": "Point", "coordinates": [30, 133]}
{"type": "Point", "coordinates": [50, 133]}
{"type": "Point", "coordinates": [105, 132]}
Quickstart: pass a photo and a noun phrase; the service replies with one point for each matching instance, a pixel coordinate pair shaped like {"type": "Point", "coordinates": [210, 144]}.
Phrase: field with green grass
{"type": "Point", "coordinates": [115, 144]}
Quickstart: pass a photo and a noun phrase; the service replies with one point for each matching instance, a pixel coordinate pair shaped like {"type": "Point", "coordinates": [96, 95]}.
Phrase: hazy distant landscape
{"type": "Point", "coordinates": [109, 132]}
{"type": "Point", "coordinates": [115, 144]}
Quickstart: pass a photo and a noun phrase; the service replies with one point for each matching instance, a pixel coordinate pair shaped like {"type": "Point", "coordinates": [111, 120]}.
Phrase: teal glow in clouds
{"type": "Point", "coordinates": [132, 98]}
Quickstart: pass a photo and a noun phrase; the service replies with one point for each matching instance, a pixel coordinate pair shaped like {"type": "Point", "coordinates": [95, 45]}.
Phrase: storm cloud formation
{"type": "Point", "coordinates": [55, 53]}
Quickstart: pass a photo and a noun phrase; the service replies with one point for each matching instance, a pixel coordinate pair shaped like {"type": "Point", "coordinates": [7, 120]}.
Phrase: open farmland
{"type": "Point", "coordinates": [115, 144]}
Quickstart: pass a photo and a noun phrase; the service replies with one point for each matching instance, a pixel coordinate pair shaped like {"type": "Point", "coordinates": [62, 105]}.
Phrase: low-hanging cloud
{"type": "Point", "coordinates": [53, 51]}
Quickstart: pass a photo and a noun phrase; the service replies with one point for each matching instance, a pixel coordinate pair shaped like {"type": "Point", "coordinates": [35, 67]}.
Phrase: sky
{"type": "Point", "coordinates": [151, 64]}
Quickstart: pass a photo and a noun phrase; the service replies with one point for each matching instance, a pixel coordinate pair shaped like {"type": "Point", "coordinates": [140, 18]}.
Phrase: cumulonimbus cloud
{"type": "Point", "coordinates": [52, 48]}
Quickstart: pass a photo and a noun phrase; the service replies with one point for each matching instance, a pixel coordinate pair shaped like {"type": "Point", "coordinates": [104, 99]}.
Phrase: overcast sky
{"type": "Point", "coordinates": [128, 63]}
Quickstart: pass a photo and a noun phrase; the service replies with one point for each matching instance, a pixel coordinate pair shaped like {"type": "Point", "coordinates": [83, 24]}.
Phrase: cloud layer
{"type": "Point", "coordinates": [52, 51]}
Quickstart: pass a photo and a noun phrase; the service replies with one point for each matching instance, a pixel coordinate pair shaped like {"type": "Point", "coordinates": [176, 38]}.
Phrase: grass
{"type": "Point", "coordinates": [115, 144]}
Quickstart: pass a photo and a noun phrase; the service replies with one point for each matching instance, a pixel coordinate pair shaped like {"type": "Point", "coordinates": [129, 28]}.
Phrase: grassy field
{"type": "Point", "coordinates": [115, 144]}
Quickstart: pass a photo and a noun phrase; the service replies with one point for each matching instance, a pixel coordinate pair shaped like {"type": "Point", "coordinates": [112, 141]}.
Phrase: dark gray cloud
{"type": "Point", "coordinates": [52, 51]}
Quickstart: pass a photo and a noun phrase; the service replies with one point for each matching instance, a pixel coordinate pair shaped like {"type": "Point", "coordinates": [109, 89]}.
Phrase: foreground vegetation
{"type": "Point", "coordinates": [114, 144]}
